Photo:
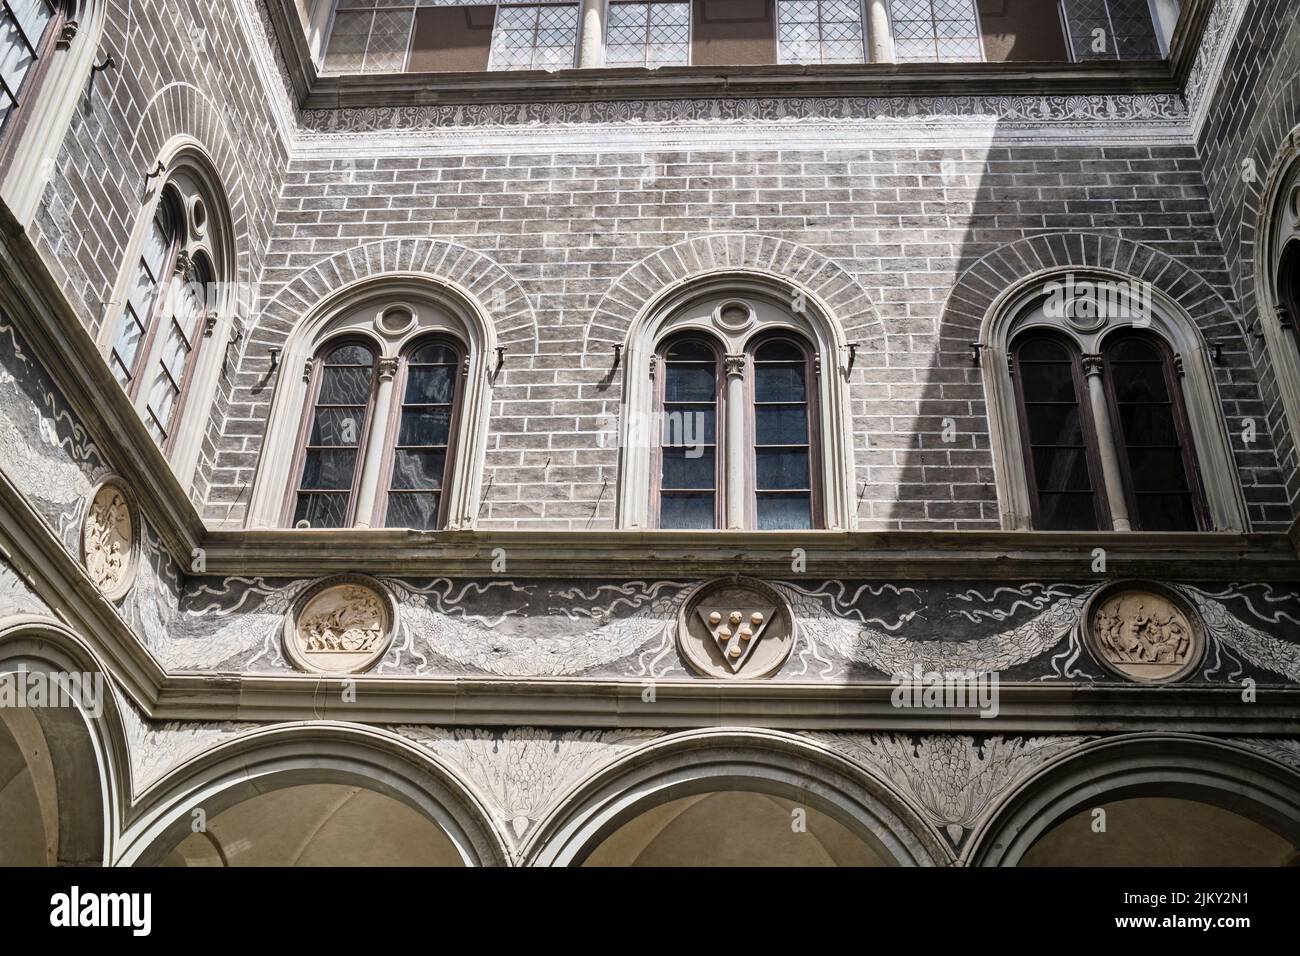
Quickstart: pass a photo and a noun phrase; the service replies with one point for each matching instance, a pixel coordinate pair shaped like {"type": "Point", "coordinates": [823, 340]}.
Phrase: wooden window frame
{"type": "Point", "coordinates": [719, 428]}
{"type": "Point", "coordinates": [308, 415]}
{"type": "Point", "coordinates": [1182, 426]}
{"type": "Point", "coordinates": [379, 519]}
{"type": "Point", "coordinates": [1092, 452]}
{"type": "Point", "coordinates": [19, 119]}
{"type": "Point", "coordinates": [191, 361]}
{"type": "Point", "coordinates": [172, 200]}
{"type": "Point", "coordinates": [816, 517]}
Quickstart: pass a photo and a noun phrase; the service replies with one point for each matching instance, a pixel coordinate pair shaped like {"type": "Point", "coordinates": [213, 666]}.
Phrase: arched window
{"type": "Point", "coordinates": [1151, 432]}
{"type": "Point", "coordinates": [1102, 434]}
{"type": "Point", "coordinates": [333, 435]}
{"type": "Point", "coordinates": [784, 490]}
{"type": "Point", "coordinates": [732, 455]}
{"type": "Point", "coordinates": [146, 296]}
{"type": "Point", "coordinates": [1056, 429]}
{"type": "Point", "coordinates": [429, 382]}
{"type": "Point", "coordinates": [689, 464]}
{"type": "Point", "coordinates": [30, 31]}
{"type": "Point", "coordinates": [174, 294]}
{"type": "Point", "coordinates": [736, 411]}
{"type": "Point", "coordinates": [413, 456]}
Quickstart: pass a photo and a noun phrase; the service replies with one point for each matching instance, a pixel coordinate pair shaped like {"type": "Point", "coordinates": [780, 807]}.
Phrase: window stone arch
{"type": "Point", "coordinates": [701, 305]}
{"type": "Point", "coordinates": [366, 308]}
{"type": "Point", "coordinates": [1010, 284]}
{"type": "Point", "coordinates": [200, 286]}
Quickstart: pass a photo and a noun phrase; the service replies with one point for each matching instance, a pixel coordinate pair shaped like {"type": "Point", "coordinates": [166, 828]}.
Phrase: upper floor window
{"type": "Point", "coordinates": [386, 424]}
{"type": "Point", "coordinates": [370, 417]}
{"type": "Point", "coordinates": [378, 36]}
{"type": "Point", "coordinates": [1106, 441]}
{"type": "Point", "coordinates": [404, 35]}
{"type": "Point", "coordinates": [736, 426]}
{"type": "Point", "coordinates": [1103, 411]}
{"type": "Point", "coordinates": [169, 304]}
{"type": "Point", "coordinates": [943, 31]}
{"type": "Point", "coordinates": [648, 34]}
{"type": "Point", "coordinates": [29, 33]}
{"type": "Point", "coordinates": [1110, 29]}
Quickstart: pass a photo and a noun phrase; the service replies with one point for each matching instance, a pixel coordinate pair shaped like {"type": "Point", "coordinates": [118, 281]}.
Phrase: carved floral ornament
{"type": "Point", "coordinates": [735, 628]}
{"type": "Point", "coordinates": [1144, 632]}
{"type": "Point", "coordinates": [342, 625]}
{"type": "Point", "coordinates": [108, 540]}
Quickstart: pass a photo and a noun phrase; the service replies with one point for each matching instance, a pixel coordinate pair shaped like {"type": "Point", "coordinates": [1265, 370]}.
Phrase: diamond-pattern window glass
{"type": "Point", "coordinates": [370, 36]}
{"type": "Point", "coordinates": [1111, 30]}
{"type": "Point", "coordinates": [535, 37]}
{"type": "Point", "coordinates": [819, 31]}
{"type": "Point", "coordinates": [930, 31]}
{"type": "Point", "coordinates": [648, 34]}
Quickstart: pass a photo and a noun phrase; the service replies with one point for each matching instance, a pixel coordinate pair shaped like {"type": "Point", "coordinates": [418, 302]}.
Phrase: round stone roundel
{"type": "Point", "coordinates": [1144, 633]}
{"type": "Point", "coordinates": [108, 539]}
{"type": "Point", "coordinates": [735, 628]}
{"type": "Point", "coordinates": [340, 626]}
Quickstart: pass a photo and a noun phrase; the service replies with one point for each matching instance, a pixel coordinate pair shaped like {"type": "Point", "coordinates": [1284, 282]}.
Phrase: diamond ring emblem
{"type": "Point", "coordinates": [735, 630]}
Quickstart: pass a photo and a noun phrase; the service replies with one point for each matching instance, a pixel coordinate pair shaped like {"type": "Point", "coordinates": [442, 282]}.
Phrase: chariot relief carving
{"type": "Point", "coordinates": [108, 540]}
{"type": "Point", "coordinates": [1144, 633]}
{"type": "Point", "coordinates": [340, 626]}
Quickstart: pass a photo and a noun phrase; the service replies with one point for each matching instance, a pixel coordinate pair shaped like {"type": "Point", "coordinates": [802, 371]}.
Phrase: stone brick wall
{"type": "Point", "coordinates": [903, 222]}
{"type": "Point", "coordinates": [182, 69]}
{"type": "Point", "coordinates": [1252, 107]}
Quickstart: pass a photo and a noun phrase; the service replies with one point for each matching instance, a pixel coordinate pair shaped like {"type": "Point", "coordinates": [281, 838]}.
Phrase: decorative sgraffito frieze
{"type": "Point", "coordinates": [955, 779]}
{"type": "Point", "coordinates": [108, 540]}
{"type": "Point", "coordinates": [16, 596]}
{"type": "Point", "coordinates": [157, 748]}
{"type": "Point", "coordinates": [1043, 110]}
{"type": "Point", "coordinates": [524, 772]}
{"type": "Point", "coordinates": [1220, 27]}
{"type": "Point", "coordinates": [1285, 750]}
{"type": "Point", "coordinates": [844, 631]}
{"type": "Point", "coordinates": [44, 449]}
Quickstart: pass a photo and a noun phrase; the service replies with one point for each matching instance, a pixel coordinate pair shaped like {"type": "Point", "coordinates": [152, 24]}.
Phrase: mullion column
{"type": "Point", "coordinates": [376, 443]}
{"type": "Point", "coordinates": [1106, 449]}
{"type": "Point", "coordinates": [736, 500]}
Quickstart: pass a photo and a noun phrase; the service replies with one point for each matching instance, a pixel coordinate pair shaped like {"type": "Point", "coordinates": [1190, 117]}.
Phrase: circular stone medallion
{"type": "Point", "coordinates": [340, 626]}
{"type": "Point", "coordinates": [1144, 632]}
{"type": "Point", "coordinates": [108, 539]}
{"type": "Point", "coordinates": [736, 628]}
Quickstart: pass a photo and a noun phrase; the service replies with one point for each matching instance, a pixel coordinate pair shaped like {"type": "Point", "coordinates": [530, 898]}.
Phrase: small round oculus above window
{"type": "Point", "coordinates": [1144, 632]}
{"type": "Point", "coordinates": [395, 320]}
{"type": "Point", "coordinates": [108, 541]}
{"type": "Point", "coordinates": [342, 625]}
{"type": "Point", "coordinates": [198, 216]}
{"type": "Point", "coordinates": [734, 316]}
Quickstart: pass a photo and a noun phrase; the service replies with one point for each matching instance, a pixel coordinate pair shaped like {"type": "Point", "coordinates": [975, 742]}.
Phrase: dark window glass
{"type": "Point", "coordinates": [344, 379]}
{"type": "Point", "coordinates": [688, 430]}
{"type": "Point", "coordinates": [782, 451]}
{"type": "Point", "coordinates": [1143, 394]}
{"type": "Point", "coordinates": [424, 425]}
{"type": "Point", "coordinates": [1059, 465]}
